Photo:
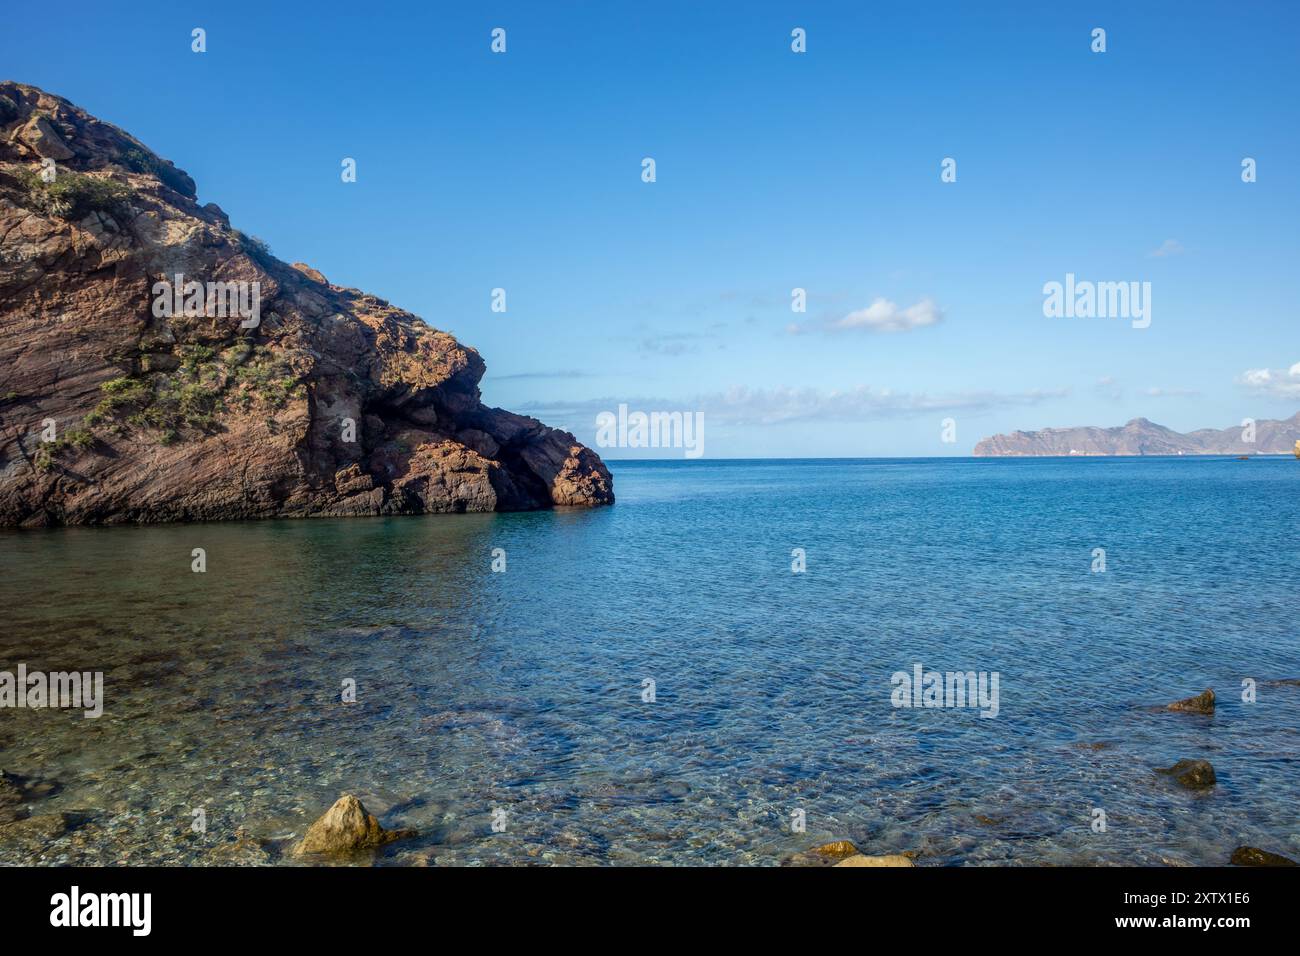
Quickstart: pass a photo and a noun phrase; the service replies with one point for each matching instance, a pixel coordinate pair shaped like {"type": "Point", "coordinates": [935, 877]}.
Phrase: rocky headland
{"type": "Point", "coordinates": [157, 364]}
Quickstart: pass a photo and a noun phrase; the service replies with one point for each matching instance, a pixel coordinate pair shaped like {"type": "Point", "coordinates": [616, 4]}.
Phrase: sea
{"type": "Point", "coordinates": [709, 672]}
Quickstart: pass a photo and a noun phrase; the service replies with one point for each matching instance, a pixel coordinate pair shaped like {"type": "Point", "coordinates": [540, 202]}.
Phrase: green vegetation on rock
{"type": "Point", "coordinates": [257, 249]}
{"type": "Point", "coordinates": [142, 161]}
{"type": "Point", "coordinates": [192, 388]}
{"type": "Point", "coordinates": [74, 195]}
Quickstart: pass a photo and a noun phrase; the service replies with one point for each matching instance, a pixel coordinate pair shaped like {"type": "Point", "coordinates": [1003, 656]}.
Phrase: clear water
{"type": "Point", "coordinates": [522, 691]}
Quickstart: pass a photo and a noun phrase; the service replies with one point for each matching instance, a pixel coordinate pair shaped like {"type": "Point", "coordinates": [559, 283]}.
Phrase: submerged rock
{"type": "Point", "coordinates": [243, 850]}
{"type": "Point", "coordinates": [844, 853]}
{"type": "Point", "coordinates": [1193, 774]}
{"type": "Point", "coordinates": [345, 828]}
{"type": "Point", "coordinates": [828, 854]}
{"type": "Point", "coordinates": [1253, 856]}
{"type": "Point", "coordinates": [889, 859]}
{"type": "Point", "coordinates": [47, 826]}
{"type": "Point", "coordinates": [11, 798]}
{"type": "Point", "coordinates": [16, 790]}
{"type": "Point", "coordinates": [1202, 703]}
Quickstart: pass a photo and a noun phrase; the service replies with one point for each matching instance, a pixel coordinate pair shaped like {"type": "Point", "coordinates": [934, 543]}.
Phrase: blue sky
{"type": "Point", "coordinates": [775, 170]}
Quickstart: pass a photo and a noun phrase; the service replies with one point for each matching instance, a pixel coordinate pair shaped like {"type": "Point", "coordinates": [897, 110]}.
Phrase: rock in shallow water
{"type": "Point", "coordinates": [47, 826]}
{"type": "Point", "coordinates": [11, 798]}
{"type": "Point", "coordinates": [16, 790]}
{"type": "Point", "coordinates": [243, 850]}
{"type": "Point", "coordinates": [1202, 703]}
{"type": "Point", "coordinates": [844, 853]}
{"type": "Point", "coordinates": [1193, 774]}
{"type": "Point", "coordinates": [889, 859]}
{"type": "Point", "coordinates": [1253, 856]}
{"type": "Point", "coordinates": [345, 828]}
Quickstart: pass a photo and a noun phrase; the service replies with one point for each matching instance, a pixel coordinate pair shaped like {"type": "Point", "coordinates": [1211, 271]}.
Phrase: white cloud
{"type": "Point", "coordinates": [884, 316]}
{"type": "Point", "coordinates": [881, 315]}
{"type": "Point", "coordinates": [1273, 383]}
{"type": "Point", "coordinates": [1257, 377]}
{"type": "Point", "coordinates": [1170, 247]}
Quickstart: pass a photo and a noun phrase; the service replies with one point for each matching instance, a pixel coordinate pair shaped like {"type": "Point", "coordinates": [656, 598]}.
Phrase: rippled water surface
{"type": "Point", "coordinates": [522, 691]}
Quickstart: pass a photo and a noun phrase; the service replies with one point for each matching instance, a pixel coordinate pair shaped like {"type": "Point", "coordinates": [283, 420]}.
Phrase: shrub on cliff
{"type": "Point", "coordinates": [193, 396]}
{"type": "Point", "coordinates": [79, 438]}
{"type": "Point", "coordinates": [73, 195]}
{"type": "Point", "coordinates": [257, 249]}
{"type": "Point", "coordinates": [196, 404]}
{"type": "Point", "coordinates": [141, 161]}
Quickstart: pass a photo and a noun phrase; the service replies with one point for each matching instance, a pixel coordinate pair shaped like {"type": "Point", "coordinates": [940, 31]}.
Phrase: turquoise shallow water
{"type": "Point", "coordinates": [522, 691]}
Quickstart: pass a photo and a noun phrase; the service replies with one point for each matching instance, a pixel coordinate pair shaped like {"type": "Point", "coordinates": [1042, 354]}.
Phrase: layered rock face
{"type": "Point", "coordinates": [1142, 437]}
{"type": "Point", "coordinates": [158, 365]}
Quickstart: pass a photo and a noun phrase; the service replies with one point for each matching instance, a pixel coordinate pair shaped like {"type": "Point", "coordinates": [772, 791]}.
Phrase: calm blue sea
{"type": "Point", "coordinates": [516, 697]}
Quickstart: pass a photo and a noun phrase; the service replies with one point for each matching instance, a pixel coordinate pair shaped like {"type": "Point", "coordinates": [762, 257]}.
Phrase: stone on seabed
{"type": "Point", "coordinates": [345, 828]}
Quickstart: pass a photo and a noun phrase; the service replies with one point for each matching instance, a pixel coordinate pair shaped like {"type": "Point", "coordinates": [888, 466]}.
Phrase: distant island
{"type": "Point", "coordinates": [1143, 437]}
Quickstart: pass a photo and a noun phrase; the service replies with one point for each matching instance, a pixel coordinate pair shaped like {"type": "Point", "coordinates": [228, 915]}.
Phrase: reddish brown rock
{"type": "Point", "coordinates": [195, 417]}
{"type": "Point", "coordinates": [44, 139]}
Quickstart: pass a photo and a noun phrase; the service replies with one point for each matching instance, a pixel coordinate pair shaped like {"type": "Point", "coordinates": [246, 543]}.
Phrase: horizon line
{"type": "Point", "coordinates": [1223, 455]}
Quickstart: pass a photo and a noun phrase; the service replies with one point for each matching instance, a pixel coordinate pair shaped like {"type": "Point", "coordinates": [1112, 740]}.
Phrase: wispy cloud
{"type": "Point", "coordinates": [520, 376]}
{"type": "Point", "coordinates": [1108, 387]}
{"type": "Point", "coordinates": [1170, 247]}
{"type": "Point", "coordinates": [727, 302]}
{"type": "Point", "coordinates": [1273, 383]}
{"type": "Point", "coordinates": [1157, 392]}
{"type": "Point", "coordinates": [674, 343]}
{"type": "Point", "coordinates": [781, 406]}
{"type": "Point", "coordinates": [881, 315]}
{"type": "Point", "coordinates": [864, 403]}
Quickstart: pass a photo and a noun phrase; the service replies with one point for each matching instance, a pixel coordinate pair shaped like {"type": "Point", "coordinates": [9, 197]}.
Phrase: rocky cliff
{"type": "Point", "coordinates": [157, 364]}
{"type": "Point", "coordinates": [1142, 437]}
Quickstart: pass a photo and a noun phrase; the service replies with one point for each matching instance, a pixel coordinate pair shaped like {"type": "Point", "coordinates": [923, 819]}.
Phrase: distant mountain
{"type": "Point", "coordinates": [1143, 437]}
